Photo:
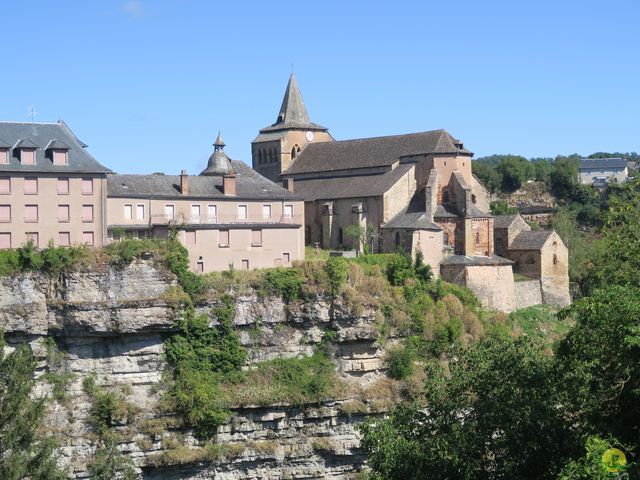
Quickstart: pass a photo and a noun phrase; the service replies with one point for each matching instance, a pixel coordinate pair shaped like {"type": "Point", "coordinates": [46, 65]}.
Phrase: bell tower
{"type": "Point", "coordinates": [277, 145]}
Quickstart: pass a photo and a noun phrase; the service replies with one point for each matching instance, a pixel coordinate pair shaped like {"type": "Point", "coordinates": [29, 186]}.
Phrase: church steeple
{"type": "Point", "coordinates": [293, 112]}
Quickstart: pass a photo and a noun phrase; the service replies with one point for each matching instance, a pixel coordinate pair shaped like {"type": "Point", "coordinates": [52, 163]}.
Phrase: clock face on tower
{"type": "Point", "coordinates": [309, 136]}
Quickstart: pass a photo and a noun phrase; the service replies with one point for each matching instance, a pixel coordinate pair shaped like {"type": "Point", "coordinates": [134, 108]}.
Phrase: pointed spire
{"type": "Point", "coordinates": [293, 110]}
{"type": "Point", "coordinates": [219, 143]}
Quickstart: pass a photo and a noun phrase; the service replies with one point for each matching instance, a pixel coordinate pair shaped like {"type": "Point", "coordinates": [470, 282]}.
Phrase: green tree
{"type": "Point", "coordinates": [494, 416]}
{"type": "Point", "coordinates": [24, 451]}
{"type": "Point", "coordinates": [599, 364]}
{"type": "Point", "coordinates": [488, 175]}
{"type": "Point", "coordinates": [514, 171]}
{"type": "Point", "coordinates": [109, 463]}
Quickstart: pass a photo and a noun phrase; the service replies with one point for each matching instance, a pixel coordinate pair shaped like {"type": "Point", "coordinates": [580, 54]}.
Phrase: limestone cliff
{"type": "Point", "coordinates": [111, 323]}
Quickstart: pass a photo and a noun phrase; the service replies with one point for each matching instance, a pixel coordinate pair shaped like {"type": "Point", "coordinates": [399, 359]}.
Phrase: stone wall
{"type": "Point", "coordinates": [492, 284]}
{"type": "Point", "coordinates": [528, 293]}
{"type": "Point", "coordinates": [111, 323]}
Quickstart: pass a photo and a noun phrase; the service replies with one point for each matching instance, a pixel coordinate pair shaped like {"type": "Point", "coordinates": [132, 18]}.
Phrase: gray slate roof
{"type": "Point", "coordinates": [504, 221]}
{"type": "Point", "coordinates": [329, 188]}
{"type": "Point", "coordinates": [530, 240]}
{"type": "Point", "coordinates": [249, 185]}
{"type": "Point", "coordinates": [606, 163]}
{"type": "Point", "coordinates": [293, 113]}
{"type": "Point", "coordinates": [371, 152]}
{"type": "Point", "coordinates": [475, 260]}
{"type": "Point", "coordinates": [412, 221]}
{"type": "Point", "coordinates": [41, 135]}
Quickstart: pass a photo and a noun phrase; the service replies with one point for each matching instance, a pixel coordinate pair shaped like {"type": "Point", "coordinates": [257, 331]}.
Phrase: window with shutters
{"type": "Point", "coordinates": [5, 240]}
{"type": "Point", "coordinates": [4, 156]}
{"type": "Point", "coordinates": [5, 186]}
{"type": "Point", "coordinates": [5, 213]}
{"type": "Point", "coordinates": [212, 212]}
{"type": "Point", "coordinates": [224, 238]}
{"type": "Point", "coordinates": [169, 212]}
{"type": "Point", "coordinates": [63, 213]}
{"type": "Point", "coordinates": [140, 212]}
{"type": "Point", "coordinates": [242, 212]}
{"type": "Point", "coordinates": [288, 211]}
{"type": "Point", "coordinates": [30, 186]}
{"type": "Point", "coordinates": [87, 186]}
{"type": "Point", "coordinates": [87, 213]}
{"type": "Point", "coordinates": [64, 239]}
{"type": "Point", "coordinates": [31, 213]}
{"type": "Point", "coordinates": [266, 211]}
{"type": "Point", "coordinates": [128, 212]}
{"type": "Point", "coordinates": [200, 267]}
{"type": "Point", "coordinates": [33, 237]}
{"type": "Point", "coordinates": [63, 186]}
{"type": "Point", "coordinates": [60, 157]}
{"type": "Point", "coordinates": [87, 238]}
{"type": "Point", "coordinates": [195, 213]}
{"type": "Point", "coordinates": [256, 238]}
{"type": "Point", "coordinates": [28, 156]}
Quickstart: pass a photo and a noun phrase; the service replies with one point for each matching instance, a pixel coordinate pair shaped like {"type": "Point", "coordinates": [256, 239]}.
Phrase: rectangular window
{"type": "Point", "coordinates": [5, 186]}
{"type": "Point", "coordinates": [266, 211]}
{"type": "Point", "coordinates": [212, 212]}
{"type": "Point", "coordinates": [5, 213]}
{"type": "Point", "coordinates": [30, 186]}
{"type": "Point", "coordinates": [169, 212]}
{"type": "Point", "coordinates": [87, 186]}
{"type": "Point", "coordinates": [31, 213]}
{"type": "Point", "coordinates": [4, 156]}
{"type": "Point", "coordinates": [87, 213]}
{"type": "Point", "coordinates": [63, 186]}
{"type": "Point", "coordinates": [200, 267]}
{"type": "Point", "coordinates": [288, 211]}
{"type": "Point", "coordinates": [190, 237]}
{"type": "Point", "coordinates": [286, 258]}
{"type": "Point", "coordinates": [245, 264]}
{"type": "Point", "coordinates": [5, 240]}
{"type": "Point", "coordinates": [256, 238]}
{"type": "Point", "coordinates": [87, 238]}
{"type": "Point", "coordinates": [242, 212]}
{"type": "Point", "coordinates": [28, 157]}
{"type": "Point", "coordinates": [64, 239]}
{"type": "Point", "coordinates": [224, 238]}
{"type": "Point", "coordinates": [32, 237]}
{"type": "Point", "coordinates": [195, 213]}
{"type": "Point", "coordinates": [140, 212]}
{"type": "Point", "coordinates": [128, 212]}
{"type": "Point", "coordinates": [60, 157]}
{"type": "Point", "coordinates": [63, 213]}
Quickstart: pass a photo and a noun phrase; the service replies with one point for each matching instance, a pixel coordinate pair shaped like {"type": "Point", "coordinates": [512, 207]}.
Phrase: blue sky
{"type": "Point", "coordinates": [148, 83]}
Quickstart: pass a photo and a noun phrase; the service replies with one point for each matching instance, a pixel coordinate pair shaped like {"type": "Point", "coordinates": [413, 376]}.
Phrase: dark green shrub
{"type": "Point", "coordinates": [287, 282]}
{"type": "Point", "coordinates": [401, 363]}
{"type": "Point", "coordinates": [201, 356]}
{"type": "Point", "coordinates": [336, 268]}
{"type": "Point", "coordinates": [422, 271]}
{"type": "Point", "coordinates": [400, 268]}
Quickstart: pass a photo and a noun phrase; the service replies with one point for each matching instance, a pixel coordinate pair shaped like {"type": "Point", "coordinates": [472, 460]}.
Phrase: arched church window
{"type": "Point", "coordinates": [477, 238]}
{"type": "Point", "coordinates": [397, 239]}
{"type": "Point", "coordinates": [555, 259]}
{"type": "Point", "coordinates": [473, 198]}
{"type": "Point", "coordinates": [294, 153]}
{"type": "Point", "coordinates": [445, 238]}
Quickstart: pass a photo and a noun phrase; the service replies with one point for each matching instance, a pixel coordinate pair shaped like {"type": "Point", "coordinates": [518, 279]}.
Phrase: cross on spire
{"type": "Point", "coordinates": [32, 112]}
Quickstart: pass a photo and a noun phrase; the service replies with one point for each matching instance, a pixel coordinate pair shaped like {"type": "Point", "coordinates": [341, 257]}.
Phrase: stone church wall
{"type": "Point", "coordinates": [528, 293]}
{"type": "Point", "coordinates": [492, 284]}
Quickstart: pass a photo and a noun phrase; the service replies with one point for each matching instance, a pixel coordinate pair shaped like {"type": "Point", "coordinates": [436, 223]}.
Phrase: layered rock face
{"type": "Point", "coordinates": [110, 323]}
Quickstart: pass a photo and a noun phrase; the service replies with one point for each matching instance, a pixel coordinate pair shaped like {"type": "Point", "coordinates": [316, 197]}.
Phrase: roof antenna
{"type": "Point", "coordinates": [32, 112]}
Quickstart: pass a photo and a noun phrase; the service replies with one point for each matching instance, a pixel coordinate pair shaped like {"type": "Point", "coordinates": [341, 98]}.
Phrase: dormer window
{"type": "Point", "coordinates": [60, 157]}
{"type": "Point", "coordinates": [58, 152]}
{"type": "Point", "coordinates": [27, 156]}
{"type": "Point", "coordinates": [4, 156]}
{"type": "Point", "coordinates": [26, 150]}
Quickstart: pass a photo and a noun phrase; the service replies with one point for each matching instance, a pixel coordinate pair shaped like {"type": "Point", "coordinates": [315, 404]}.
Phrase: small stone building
{"type": "Point", "coordinates": [539, 255]}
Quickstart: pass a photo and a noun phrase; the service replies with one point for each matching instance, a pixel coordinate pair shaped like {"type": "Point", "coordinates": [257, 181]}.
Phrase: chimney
{"type": "Point", "coordinates": [184, 183]}
{"type": "Point", "coordinates": [229, 183]}
{"type": "Point", "coordinates": [288, 184]}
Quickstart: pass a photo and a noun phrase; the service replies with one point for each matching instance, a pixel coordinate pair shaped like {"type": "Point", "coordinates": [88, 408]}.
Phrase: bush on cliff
{"type": "Point", "coordinates": [24, 451]}
{"type": "Point", "coordinates": [201, 356]}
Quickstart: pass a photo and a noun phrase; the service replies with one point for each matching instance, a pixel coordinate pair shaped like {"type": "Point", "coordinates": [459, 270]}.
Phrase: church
{"type": "Point", "coordinates": [414, 191]}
